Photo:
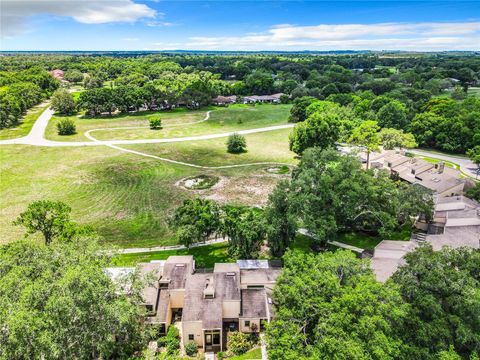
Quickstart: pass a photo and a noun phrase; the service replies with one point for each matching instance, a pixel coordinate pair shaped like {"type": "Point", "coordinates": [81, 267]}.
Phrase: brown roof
{"type": "Point", "coordinates": [176, 271]}
{"type": "Point", "coordinates": [197, 308]}
{"type": "Point", "coordinates": [259, 276]}
{"type": "Point", "coordinates": [153, 271]}
{"type": "Point", "coordinates": [254, 303]}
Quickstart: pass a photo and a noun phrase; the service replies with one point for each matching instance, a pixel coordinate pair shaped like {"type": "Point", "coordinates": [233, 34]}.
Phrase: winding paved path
{"type": "Point", "coordinates": [36, 136]}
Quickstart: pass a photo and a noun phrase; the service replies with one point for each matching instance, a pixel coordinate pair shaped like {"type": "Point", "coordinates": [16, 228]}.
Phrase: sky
{"type": "Point", "coordinates": [239, 25]}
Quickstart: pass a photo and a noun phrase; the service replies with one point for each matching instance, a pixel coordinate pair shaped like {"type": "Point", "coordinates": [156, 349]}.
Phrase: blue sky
{"type": "Point", "coordinates": [239, 25]}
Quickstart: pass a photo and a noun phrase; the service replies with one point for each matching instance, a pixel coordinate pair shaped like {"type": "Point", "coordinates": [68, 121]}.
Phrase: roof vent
{"type": "Point", "coordinates": [209, 290]}
{"type": "Point", "coordinates": [179, 265]}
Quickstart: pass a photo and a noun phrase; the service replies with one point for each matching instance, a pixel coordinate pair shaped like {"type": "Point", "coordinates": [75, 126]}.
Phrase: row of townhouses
{"type": "Point", "coordinates": [207, 305]}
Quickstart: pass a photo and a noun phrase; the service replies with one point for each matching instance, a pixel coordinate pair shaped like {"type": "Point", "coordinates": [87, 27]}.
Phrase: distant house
{"type": "Point", "coordinates": [234, 297]}
{"type": "Point", "coordinates": [275, 98]}
{"type": "Point", "coordinates": [224, 100]}
{"type": "Point", "coordinates": [57, 74]}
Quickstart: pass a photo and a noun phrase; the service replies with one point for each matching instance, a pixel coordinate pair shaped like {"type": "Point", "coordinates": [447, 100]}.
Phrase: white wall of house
{"type": "Point", "coordinates": [247, 329]}
{"type": "Point", "coordinates": [177, 298]}
{"type": "Point", "coordinates": [192, 328]}
{"type": "Point", "coordinates": [231, 309]}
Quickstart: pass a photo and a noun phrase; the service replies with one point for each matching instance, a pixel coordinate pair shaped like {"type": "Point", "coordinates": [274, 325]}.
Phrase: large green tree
{"type": "Point", "coordinates": [62, 102]}
{"type": "Point", "coordinates": [57, 302]}
{"type": "Point", "coordinates": [51, 218]}
{"type": "Point", "coordinates": [331, 194]}
{"type": "Point", "coordinates": [442, 288]}
{"type": "Point", "coordinates": [196, 220]}
{"type": "Point", "coordinates": [393, 115]}
{"type": "Point", "coordinates": [280, 220]}
{"type": "Point", "coordinates": [245, 228]}
{"type": "Point", "coordinates": [326, 123]}
{"type": "Point", "coordinates": [330, 306]}
{"type": "Point", "coordinates": [393, 138]}
{"type": "Point", "coordinates": [366, 136]}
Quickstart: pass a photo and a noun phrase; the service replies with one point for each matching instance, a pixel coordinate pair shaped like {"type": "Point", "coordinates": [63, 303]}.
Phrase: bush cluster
{"type": "Point", "coordinates": [66, 127]}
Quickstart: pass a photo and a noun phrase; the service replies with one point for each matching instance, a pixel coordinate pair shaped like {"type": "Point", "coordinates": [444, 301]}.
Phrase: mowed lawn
{"type": "Point", "coordinates": [127, 198]}
{"type": "Point", "coordinates": [268, 146]}
{"type": "Point", "coordinates": [141, 119]}
{"type": "Point", "coordinates": [177, 123]}
{"type": "Point", "coordinates": [205, 256]}
{"type": "Point", "coordinates": [25, 124]}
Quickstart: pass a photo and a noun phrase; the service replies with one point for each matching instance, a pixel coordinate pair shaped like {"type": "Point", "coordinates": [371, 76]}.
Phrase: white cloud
{"type": "Point", "coordinates": [382, 36]}
{"type": "Point", "coordinates": [15, 13]}
{"type": "Point", "coordinates": [155, 23]}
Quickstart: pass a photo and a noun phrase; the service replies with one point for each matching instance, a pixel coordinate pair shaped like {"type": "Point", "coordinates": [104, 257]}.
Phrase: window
{"type": "Point", "coordinates": [164, 285]}
{"type": "Point", "coordinates": [149, 308]}
{"type": "Point", "coordinates": [216, 339]}
{"type": "Point", "coordinates": [208, 296]}
{"type": "Point", "coordinates": [247, 323]}
{"type": "Point", "coordinates": [255, 286]}
{"type": "Point", "coordinates": [191, 337]}
{"type": "Point", "coordinates": [161, 330]}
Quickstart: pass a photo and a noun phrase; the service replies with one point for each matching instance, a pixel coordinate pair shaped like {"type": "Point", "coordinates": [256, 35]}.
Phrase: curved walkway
{"type": "Point", "coordinates": [36, 136]}
{"type": "Point", "coordinates": [87, 133]}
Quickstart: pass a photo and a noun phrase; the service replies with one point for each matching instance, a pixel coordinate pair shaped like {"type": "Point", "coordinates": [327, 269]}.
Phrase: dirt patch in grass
{"type": "Point", "coordinates": [281, 170]}
{"type": "Point", "coordinates": [200, 182]}
{"type": "Point", "coordinates": [246, 190]}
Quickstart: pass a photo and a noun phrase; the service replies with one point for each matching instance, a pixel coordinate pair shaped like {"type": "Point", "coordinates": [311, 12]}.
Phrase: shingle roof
{"type": "Point", "coordinates": [254, 303]}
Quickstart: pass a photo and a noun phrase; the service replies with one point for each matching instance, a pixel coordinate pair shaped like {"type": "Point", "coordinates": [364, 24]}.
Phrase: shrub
{"type": "Point", "coordinates": [236, 144]}
{"type": "Point", "coordinates": [66, 127]}
{"type": "Point", "coordinates": [238, 343]}
{"type": "Point", "coordinates": [172, 340]}
{"type": "Point", "coordinates": [220, 355]}
{"type": "Point", "coordinates": [156, 124]}
{"type": "Point", "coordinates": [191, 348]}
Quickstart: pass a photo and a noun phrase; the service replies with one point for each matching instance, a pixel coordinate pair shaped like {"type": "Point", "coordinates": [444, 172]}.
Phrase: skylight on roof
{"type": "Point", "coordinates": [230, 274]}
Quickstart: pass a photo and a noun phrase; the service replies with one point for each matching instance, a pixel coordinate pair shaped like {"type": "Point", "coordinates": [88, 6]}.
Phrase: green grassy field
{"type": "Point", "coordinates": [84, 124]}
{"type": "Point", "coordinates": [254, 354]}
{"type": "Point", "coordinates": [271, 146]}
{"type": "Point", "coordinates": [235, 117]}
{"type": "Point", "coordinates": [475, 91]}
{"type": "Point", "coordinates": [25, 125]}
{"type": "Point", "coordinates": [365, 241]}
{"type": "Point", "coordinates": [205, 256]}
{"type": "Point", "coordinates": [126, 198]}
{"type": "Point", "coordinates": [435, 161]}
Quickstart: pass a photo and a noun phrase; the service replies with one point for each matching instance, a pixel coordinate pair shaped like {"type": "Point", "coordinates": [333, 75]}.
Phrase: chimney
{"type": "Point", "coordinates": [441, 167]}
{"type": "Point", "coordinates": [209, 290]}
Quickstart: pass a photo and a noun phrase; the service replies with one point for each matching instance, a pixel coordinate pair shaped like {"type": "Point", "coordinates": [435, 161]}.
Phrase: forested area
{"type": "Point", "coordinates": [329, 306]}
{"type": "Point", "coordinates": [20, 90]}
{"type": "Point", "coordinates": [425, 95]}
